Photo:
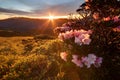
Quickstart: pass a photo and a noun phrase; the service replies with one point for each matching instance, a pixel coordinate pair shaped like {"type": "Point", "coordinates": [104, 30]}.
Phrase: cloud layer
{"type": "Point", "coordinates": [39, 7]}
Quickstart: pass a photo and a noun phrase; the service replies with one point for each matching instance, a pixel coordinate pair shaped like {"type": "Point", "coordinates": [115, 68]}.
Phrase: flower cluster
{"type": "Point", "coordinates": [80, 36]}
{"type": "Point", "coordinates": [65, 27]}
{"type": "Point", "coordinates": [87, 61]}
{"type": "Point", "coordinates": [92, 59]}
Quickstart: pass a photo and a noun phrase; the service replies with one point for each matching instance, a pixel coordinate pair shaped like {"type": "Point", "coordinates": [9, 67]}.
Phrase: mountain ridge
{"type": "Point", "coordinates": [21, 26]}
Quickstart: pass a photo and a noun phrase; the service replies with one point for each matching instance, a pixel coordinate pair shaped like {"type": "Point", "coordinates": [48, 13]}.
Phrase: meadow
{"type": "Point", "coordinates": [26, 58]}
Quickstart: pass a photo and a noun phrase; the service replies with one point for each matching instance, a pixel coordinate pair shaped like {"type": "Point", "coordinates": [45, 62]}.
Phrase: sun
{"type": "Point", "coordinates": [51, 17]}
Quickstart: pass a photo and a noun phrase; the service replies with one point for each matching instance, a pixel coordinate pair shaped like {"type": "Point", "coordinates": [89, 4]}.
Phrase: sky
{"type": "Point", "coordinates": [37, 8]}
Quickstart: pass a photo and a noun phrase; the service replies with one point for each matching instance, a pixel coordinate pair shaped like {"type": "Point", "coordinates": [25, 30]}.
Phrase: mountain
{"type": "Point", "coordinates": [20, 26]}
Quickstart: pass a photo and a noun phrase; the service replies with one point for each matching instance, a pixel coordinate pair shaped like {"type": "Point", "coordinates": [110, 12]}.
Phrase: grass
{"type": "Point", "coordinates": [26, 58]}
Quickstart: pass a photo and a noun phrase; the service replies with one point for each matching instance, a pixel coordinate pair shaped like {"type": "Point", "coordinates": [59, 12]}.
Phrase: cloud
{"type": "Point", "coordinates": [3, 10]}
{"type": "Point", "coordinates": [61, 9]}
{"type": "Point", "coordinates": [39, 7]}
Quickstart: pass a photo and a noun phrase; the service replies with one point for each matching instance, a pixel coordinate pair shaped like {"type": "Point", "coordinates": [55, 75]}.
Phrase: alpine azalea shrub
{"type": "Point", "coordinates": [98, 32]}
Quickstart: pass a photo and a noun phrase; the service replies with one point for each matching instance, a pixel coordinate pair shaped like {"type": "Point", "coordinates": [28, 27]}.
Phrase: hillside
{"type": "Point", "coordinates": [19, 26]}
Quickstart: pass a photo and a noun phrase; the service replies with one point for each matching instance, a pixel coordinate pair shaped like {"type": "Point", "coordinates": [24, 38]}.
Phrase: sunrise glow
{"type": "Point", "coordinates": [51, 17]}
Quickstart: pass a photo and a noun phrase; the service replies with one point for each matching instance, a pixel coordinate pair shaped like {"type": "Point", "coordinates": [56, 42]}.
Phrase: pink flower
{"type": "Point", "coordinates": [92, 58]}
{"type": "Point", "coordinates": [76, 33]}
{"type": "Point", "coordinates": [107, 19]}
{"type": "Point", "coordinates": [76, 61]}
{"type": "Point", "coordinates": [117, 29]}
{"type": "Point", "coordinates": [98, 62]}
{"type": "Point", "coordinates": [68, 34]}
{"type": "Point", "coordinates": [82, 37]}
{"type": "Point", "coordinates": [75, 57]}
{"type": "Point", "coordinates": [88, 61]}
{"type": "Point", "coordinates": [63, 56]}
{"type": "Point", "coordinates": [78, 41]}
{"type": "Point", "coordinates": [84, 59]}
{"type": "Point", "coordinates": [116, 19]}
{"type": "Point", "coordinates": [89, 32]}
{"type": "Point", "coordinates": [61, 36]}
{"type": "Point", "coordinates": [87, 41]}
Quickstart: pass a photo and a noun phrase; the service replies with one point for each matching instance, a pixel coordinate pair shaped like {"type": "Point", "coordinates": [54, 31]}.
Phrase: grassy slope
{"type": "Point", "coordinates": [25, 58]}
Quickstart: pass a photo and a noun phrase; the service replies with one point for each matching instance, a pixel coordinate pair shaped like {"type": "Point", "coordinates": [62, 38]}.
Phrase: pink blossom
{"type": "Point", "coordinates": [76, 61]}
{"type": "Point", "coordinates": [116, 19]}
{"type": "Point", "coordinates": [75, 57]}
{"type": "Point", "coordinates": [92, 58]}
{"type": "Point", "coordinates": [82, 37]}
{"type": "Point", "coordinates": [117, 29]}
{"type": "Point", "coordinates": [86, 41]}
{"type": "Point", "coordinates": [76, 33]}
{"type": "Point", "coordinates": [87, 36]}
{"type": "Point", "coordinates": [107, 19]}
{"type": "Point", "coordinates": [61, 36]}
{"type": "Point", "coordinates": [84, 59]}
{"type": "Point", "coordinates": [68, 34]}
{"type": "Point", "coordinates": [78, 41]}
{"type": "Point", "coordinates": [88, 61]}
{"type": "Point", "coordinates": [63, 56]}
{"type": "Point", "coordinates": [89, 32]}
{"type": "Point", "coordinates": [98, 62]}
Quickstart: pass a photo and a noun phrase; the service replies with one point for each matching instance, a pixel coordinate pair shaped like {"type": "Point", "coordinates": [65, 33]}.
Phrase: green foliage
{"type": "Point", "coordinates": [41, 61]}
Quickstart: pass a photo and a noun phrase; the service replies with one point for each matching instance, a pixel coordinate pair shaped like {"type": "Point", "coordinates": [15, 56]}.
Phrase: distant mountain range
{"type": "Point", "coordinates": [20, 26]}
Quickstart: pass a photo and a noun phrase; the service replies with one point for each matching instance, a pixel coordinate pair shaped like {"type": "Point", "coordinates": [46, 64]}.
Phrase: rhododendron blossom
{"type": "Point", "coordinates": [117, 29]}
{"type": "Point", "coordinates": [77, 61]}
{"type": "Point", "coordinates": [80, 36]}
{"type": "Point", "coordinates": [63, 56]}
{"type": "Point", "coordinates": [87, 61]}
{"type": "Point", "coordinates": [98, 62]}
{"type": "Point", "coordinates": [116, 19]}
{"type": "Point", "coordinates": [91, 58]}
